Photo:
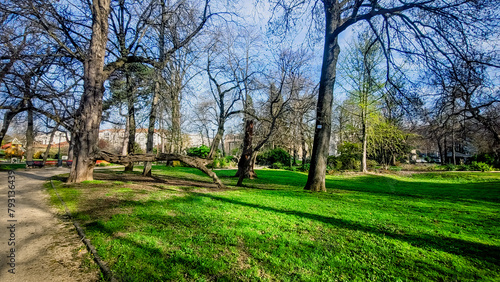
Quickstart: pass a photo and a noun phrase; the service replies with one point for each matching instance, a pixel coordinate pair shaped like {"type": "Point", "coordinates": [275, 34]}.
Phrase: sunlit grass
{"type": "Point", "coordinates": [429, 227]}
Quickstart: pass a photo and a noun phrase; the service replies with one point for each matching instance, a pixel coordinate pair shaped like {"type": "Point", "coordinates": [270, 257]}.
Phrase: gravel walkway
{"type": "Point", "coordinates": [46, 247]}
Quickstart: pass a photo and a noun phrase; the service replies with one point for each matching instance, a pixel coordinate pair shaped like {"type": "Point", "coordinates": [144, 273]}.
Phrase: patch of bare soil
{"type": "Point", "coordinates": [117, 194]}
{"type": "Point", "coordinates": [46, 248]}
{"type": "Point", "coordinates": [156, 181]}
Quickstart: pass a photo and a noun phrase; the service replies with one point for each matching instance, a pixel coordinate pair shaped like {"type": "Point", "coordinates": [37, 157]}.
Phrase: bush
{"type": "Point", "coordinates": [200, 152]}
{"type": "Point", "coordinates": [277, 165]}
{"type": "Point", "coordinates": [274, 156]}
{"type": "Point", "coordinates": [450, 167]}
{"type": "Point", "coordinates": [350, 157]}
{"type": "Point", "coordinates": [464, 168]}
{"type": "Point", "coordinates": [371, 163]}
{"type": "Point", "coordinates": [484, 158]}
{"type": "Point", "coordinates": [481, 166]}
{"type": "Point", "coordinates": [221, 163]}
{"type": "Point", "coordinates": [305, 167]}
{"type": "Point", "coordinates": [38, 155]}
{"type": "Point", "coordinates": [138, 149]}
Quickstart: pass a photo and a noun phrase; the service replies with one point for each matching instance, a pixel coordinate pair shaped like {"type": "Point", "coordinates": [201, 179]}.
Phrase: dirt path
{"type": "Point", "coordinates": [46, 247]}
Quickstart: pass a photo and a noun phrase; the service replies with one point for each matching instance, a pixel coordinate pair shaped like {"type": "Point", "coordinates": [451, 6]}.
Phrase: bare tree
{"type": "Point", "coordinates": [224, 86]}
{"type": "Point", "coordinates": [282, 85]}
{"type": "Point", "coordinates": [81, 32]}
{"type": "Point", "coordinates": [424, 30]}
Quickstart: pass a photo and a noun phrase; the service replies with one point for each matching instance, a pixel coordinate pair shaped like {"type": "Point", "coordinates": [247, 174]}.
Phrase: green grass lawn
{"type": "Point", "coordinates": [425, 227]}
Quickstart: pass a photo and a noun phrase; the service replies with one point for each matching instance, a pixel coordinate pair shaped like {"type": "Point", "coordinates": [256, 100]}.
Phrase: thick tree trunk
{"type": "Point", "coordinates": [317, 172]}
{"type": "Point", "coordinates": [29, 134]}
{"type": "Point", "coordinates": [247, 160]}
{"type": "Point", "coordinates": [88, 116]}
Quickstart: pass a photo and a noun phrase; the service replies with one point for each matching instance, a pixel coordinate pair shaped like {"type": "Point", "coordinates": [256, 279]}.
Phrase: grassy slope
{"type": "Point", "coordinates": [436, 226]}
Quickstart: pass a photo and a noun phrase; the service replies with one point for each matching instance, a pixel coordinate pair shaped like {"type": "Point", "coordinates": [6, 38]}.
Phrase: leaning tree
{"type": "Point", "coordinates": [80, 29]}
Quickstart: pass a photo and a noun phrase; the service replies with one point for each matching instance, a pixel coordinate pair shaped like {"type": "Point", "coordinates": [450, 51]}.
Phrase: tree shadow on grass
{"type": "Point", "coordinates": [487, 253]}
{"type": "Point", "coordinates": [487, 191]}
{"type": "Point", "coordinates": [160, 271]}
{"type": "Point", "coordinates": [386, 185]}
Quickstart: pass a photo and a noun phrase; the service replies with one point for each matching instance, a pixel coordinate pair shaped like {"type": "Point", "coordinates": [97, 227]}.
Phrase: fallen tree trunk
{"type": "Point", "coordinates": [198, 163]}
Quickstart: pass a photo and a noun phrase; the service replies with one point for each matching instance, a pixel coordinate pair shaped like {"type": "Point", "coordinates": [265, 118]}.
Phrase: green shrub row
{"type": "Point", "coordinates": [273, 156]}
{"type": "Point", "coordinates": [474, 166]}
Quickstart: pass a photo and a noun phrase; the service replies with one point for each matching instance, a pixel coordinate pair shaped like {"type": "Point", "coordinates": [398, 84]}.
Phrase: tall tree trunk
{"type": "Point", "coordinates": [29, 133]}
{"type": "Point", "coordinates": [223, 143]}
{"type": "Point", "coordinates": [217, 139]}
{"type": "Point", "coordinates": [245, 164]}
{"type": "Point", "coordinates": [441, 153]}
{"type": "Point", "coordinates": [295, 154]}
{"type": "Point", "coordinates": [322, 132]}
{"type": "Point", "coordinates": [47, 150]}
{"type": "Point", "coordinates": [175, 97]}
{"type": "Point", "coordinates": [176, 123]}
{"type": "Point", "coordinates": [131, 122]}
{"type": "Point", "coordinates": [445, 150]}
{"type": "Point", "coordinates": [453, 153]}
{"type": "Point", "coordinates": [364, 167]}
{"type": "Point", "coordinates": [161, 130]}
{"type": "Point", "coordinates": [88, 116]}
{"type": "Point", "coordinates": [304, 150]}
{"type": "Point", "coordinates": [125, 139]}
{"type": "Point", "coordinates": [151, 128]}
{"type": "Point", "coordinates": [71, 143]}
{"type": "Point", "coordinates": [365, 141]}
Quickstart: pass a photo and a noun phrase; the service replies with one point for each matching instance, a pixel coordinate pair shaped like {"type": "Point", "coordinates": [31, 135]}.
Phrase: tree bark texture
{"type": "Point", "coordinates": [151, 128]}
{"type": "Point", "coordinates": [245, 164]}
{"type": "Point", "coordinates": [365, 145]}
{"type": "Point", "coordinates": [217, 138]}
{"type": "Point", "coordinates": [7, 119]}
{"type": "Point", "coordinates": [71, 143]}
{"type": "Point", "coordinates": [47, 150]}
{"type": "Point", "coordinates": [88, 116]}
{"type": "Point", "coordinates": [29, 133]}
{"type": "Point", "coordinates": [319, 155]}
{"type": "Point", "coordinates": [131, 121]}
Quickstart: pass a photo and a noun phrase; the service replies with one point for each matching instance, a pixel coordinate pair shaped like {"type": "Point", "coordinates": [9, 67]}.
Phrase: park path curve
{"type": "Point", "coordinates": [46, 247]}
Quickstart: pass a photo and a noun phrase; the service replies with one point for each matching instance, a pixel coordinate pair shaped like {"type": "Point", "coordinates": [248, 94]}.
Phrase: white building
{"type": "Point", "coordinates": [118, 138]}
{"type": "Point", "coordinates": [44, 138]}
